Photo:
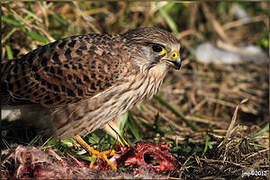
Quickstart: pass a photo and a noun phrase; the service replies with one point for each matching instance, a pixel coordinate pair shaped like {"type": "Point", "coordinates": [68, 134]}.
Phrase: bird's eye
{"type": "Point", "coordinates": [158, 49]}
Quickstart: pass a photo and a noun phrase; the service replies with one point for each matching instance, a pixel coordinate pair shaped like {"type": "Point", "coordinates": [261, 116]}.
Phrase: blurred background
{"type": "Point", "coordinates": [224, 48]}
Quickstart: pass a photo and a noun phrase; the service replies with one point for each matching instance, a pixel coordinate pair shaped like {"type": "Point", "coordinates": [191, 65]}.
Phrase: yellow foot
{"type": "Point", "coordinates": [96, 154]}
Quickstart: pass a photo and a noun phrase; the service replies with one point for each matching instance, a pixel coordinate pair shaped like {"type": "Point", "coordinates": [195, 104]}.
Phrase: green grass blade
{"type": "Point", "coordinates": [207, 144]}
{"type": "Point", "coordinates": [9, 52]}
{"type": "Point", "coordinates": [132, 126]}
{"type": "Point", "coordinates": [178, 114]}
{"type": "Point", "coordinates": [10, 21]}
{"type": "Point", "coordinates": [140, 107]}
{"type": "Point", "coordinates": [93, 139]}
{"type": "Point", "coordinates": [33, 141]}
{"type": "Point", "coordinates": [259, 133]}
{"type": "Point", "coordinates": [123, 123]}
{"type": "Point", "coordinates": [168, 19]}
{"type": "Point", "coordinates": [87, 158]}
{"type": "Point", "coordinates": [37, 37]}
{"type": "Point", "coordinates": [8, 35]}
{"type": "Point", "coordinates": [58, 18]}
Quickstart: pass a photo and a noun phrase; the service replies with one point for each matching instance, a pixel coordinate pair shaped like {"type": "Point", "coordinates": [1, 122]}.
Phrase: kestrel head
{"type": "Point", "coordinates": [153, 46]}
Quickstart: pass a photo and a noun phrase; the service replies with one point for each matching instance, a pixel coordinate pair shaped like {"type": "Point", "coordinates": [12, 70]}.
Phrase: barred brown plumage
{"type": "Point", "coordinates": [82, 82]}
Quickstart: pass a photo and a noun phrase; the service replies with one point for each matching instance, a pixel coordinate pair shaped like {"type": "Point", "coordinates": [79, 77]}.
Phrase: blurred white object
{"type": "Point", "coordinates": [239, 12]}
{"type": "Point", "coordinates": [206, 52]}
{"type": "Point", "coordinates": [11, 115]}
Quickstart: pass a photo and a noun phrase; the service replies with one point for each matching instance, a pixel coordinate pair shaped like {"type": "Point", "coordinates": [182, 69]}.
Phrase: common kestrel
{"type": "Point", "coordinates": [80, 83]}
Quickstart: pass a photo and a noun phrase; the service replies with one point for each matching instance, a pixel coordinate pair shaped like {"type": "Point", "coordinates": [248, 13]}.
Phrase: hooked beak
{"type": "Point", "coordinates": [173, 60]}
{"type": "Point", "coordinates": [176, 64]}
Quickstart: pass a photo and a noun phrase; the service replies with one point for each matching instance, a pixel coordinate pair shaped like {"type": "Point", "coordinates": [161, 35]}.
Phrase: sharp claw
{"type": "Point", "coordinates": [96, 154]}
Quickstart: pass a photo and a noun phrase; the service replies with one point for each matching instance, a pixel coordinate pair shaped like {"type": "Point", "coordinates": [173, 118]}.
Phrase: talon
{"type": "Point", "coordinates": [91, 164]}
{"type": "Point", "coordinates": [96, 154]}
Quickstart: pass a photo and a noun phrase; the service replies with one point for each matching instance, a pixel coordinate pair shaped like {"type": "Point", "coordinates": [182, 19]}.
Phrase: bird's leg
{"type": "Point", "coordinates": [96, 154]}
{"type": "Point", "coordinates": [112, 128]}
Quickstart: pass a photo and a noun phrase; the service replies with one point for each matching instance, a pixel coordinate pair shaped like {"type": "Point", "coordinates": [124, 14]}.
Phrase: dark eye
{"type": "Point", "coordinates": [157, 48]}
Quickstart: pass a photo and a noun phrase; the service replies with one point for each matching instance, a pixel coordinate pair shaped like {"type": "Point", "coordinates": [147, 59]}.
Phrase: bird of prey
{"type": "Point", "coordinates": [78, 84]}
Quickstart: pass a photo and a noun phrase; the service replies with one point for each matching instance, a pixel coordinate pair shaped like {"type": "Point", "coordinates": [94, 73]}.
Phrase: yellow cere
{"type": "Point", "coordinates": [174, 55]}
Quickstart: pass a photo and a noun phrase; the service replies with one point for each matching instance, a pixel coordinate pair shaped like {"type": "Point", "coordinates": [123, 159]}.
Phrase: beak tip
{"type": "Point", "coordinates": [176, 64]}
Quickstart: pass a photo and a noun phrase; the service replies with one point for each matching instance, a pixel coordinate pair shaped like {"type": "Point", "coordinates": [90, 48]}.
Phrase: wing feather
{"type": "Point", "coordinates": [65, 71]}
